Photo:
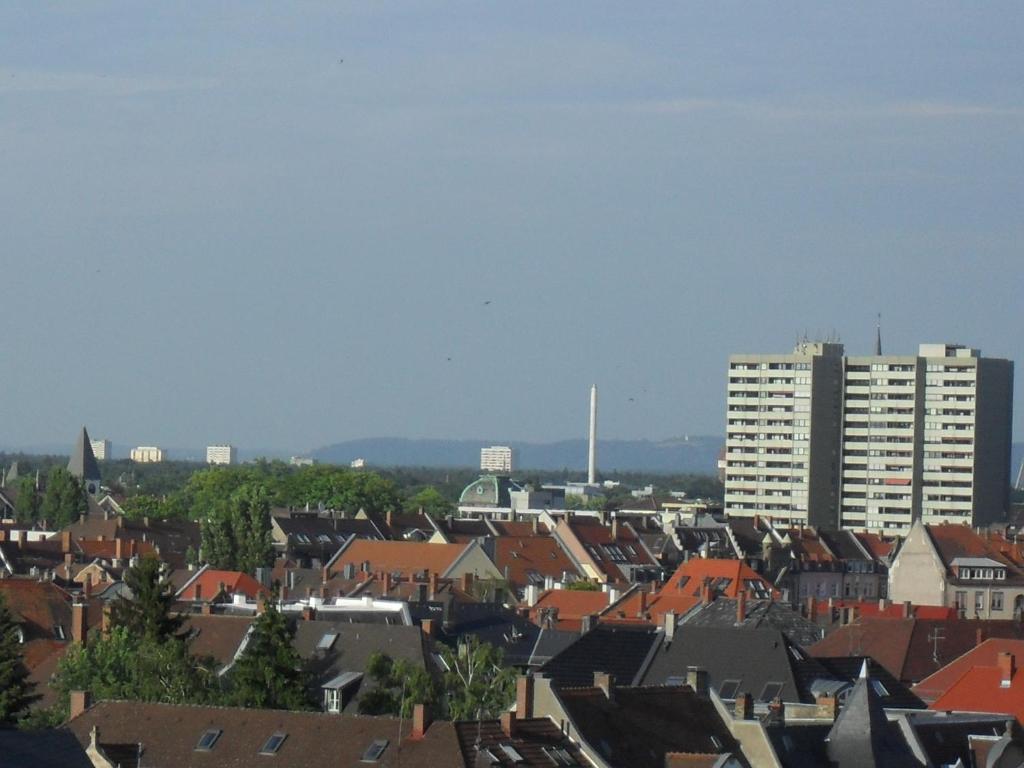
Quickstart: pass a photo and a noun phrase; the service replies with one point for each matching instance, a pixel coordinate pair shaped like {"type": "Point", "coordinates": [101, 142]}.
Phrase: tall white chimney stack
{"type": "Point", "coordinates": [592, 453]}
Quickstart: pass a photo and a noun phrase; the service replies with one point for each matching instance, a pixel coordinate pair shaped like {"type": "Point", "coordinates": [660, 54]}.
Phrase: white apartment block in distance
{"type": "Point", "coordinates": [147, 454]}
{"type": "Point", "coordinates": [221, 454]}
{"type": "Point", "coordinates": [100, 449]}
{"type": "Point", "coordinates": [497, 459]}
{"type": "Point", "coordinates": [925, 436]}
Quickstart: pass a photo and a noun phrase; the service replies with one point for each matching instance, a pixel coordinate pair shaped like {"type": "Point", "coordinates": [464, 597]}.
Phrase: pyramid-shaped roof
{"type": "Point", "coordinates": [12, 474]}
{"type": "Point", "coordinates": [83, 461]}
{"type": "Point", "coordinates": [862, 736]}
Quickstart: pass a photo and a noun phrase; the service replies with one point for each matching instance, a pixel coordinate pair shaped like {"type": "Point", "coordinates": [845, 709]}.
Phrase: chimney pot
{"type": "Point", "coordinates": [697, 679]}
{"type": "Point", "coordinates": [78, 623]}
{"type": "Point", "coordinates": [1007, 668]}
{"type": "Point", "coordinates": [508, 723]}
{"type": "Point", "coordinates": [421, 720]}
{"type": "Point", "coordinates": [741, 607]}
{"type": "Point", "coordinates": [80, 701]}
{"type": "Point", "coordinates": [606, 683]}
{"type": "Point", "coordinates": [429, 627]}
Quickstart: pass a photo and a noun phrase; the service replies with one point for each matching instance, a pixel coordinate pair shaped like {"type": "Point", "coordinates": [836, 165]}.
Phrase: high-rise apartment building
{"type": "Point", "coordinates": [869, 442]}
{"type": "Point", "coordinates": [100, 449]}
{"type": "Point", "coordinates": [221, 454]}
{"type": "Point", "coordinates": [147, 454]}
{"type": "Point", "coordinates": [496, 459]}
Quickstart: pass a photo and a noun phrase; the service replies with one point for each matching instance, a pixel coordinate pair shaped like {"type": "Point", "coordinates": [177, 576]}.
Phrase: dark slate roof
{"type": "Point", "coordinates": [352, 648]}
{"type": "Point", "coordinates": [844, 544]}
{"type": "Point", "coordinates": [712, 540]}
{"type": "Point", "coordinates": [946, 738]}
{"type": "Point", "coordinates": [800, 746]}
{"type": "Point", "coordinates": [636, 727]}
{"type": "Point", "coordinates": [747, 536]}
{"type": "Point", "coordinates": [619, 650]}
{"type": "Point", "coordinates": [847, 668]}
{"type": "Point", "coordinates": [313, 526]}
{"type": "Point", "coordinates": [863, 737]}
{"type": "Point", "coordinates": [41, 749]}
{"type": "Point", "coordinates": [550, 643]}
{"type": "Point", "coordinates": [760, 614]}
{"type": "Point", "coordinates": [529, 738]}
{"type": "Point", "coordinates": [492, 623]}
{"type": "Point", "coordinates": [83, 461]}
{"type": "Point", "coordinates": [753, 657]}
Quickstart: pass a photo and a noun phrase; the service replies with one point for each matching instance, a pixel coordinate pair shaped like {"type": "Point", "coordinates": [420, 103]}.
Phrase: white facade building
{"type": "Point", "coordinates": [147, 454]}
{"type": "Point", "coordinates": [221, 454]}
{"type": "Point", "coordinates": [497, 458]}
{"type": "Point", "coordinates": [873, 442]}
{"type": "Point", "coordinates": [100, 449]}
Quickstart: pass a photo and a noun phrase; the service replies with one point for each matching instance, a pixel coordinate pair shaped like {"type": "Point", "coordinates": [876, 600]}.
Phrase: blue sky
{"type": "Point", "coordinates": [278, 224]}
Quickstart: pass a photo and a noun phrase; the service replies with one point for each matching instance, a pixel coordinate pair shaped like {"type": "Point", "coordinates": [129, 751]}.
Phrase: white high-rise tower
{"type": "Point", "coordinates": [592, 453]}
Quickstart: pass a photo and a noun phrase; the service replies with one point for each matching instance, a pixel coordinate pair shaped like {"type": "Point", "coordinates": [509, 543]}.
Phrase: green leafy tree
{"type": "Point", "coordinates": [583, 585]}
{"type": "Point", "coordinates": [477, 683]}
{"type": "Point", "coordinates": [15, 688]}
{"type": "Point", "coordinates": [147, 613]}
{"type": "Point", "coordinates": [64, 500]}
{"type": "Point", "coordinates": [251, 518]}
{"type": "Point", "coordinates": [398, 686]}
{"type": "Point", "coordinates": [268, 674]}
{"type": "Point", "coordinates": [144, 505]}
{"type": "Point", "coordinates": [430, 501]}
{"type": "Point", "coordinates": [124, 665]}
{"type": "Point", "coordinates": [217, 531]}
{"type": "Point", "coordinates": [29, 502]}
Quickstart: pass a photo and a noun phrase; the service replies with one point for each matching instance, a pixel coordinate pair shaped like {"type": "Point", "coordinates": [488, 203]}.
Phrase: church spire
{"type": "Point", "coordinates": [83, 464]}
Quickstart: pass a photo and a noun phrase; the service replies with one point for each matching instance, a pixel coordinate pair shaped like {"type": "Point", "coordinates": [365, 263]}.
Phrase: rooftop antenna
{"type": "Point", "coordinates": [936, 636]}
{"type": "Point", "coordinates": [1019, 485]}
{"type": "Point", "coordinates": [878, 336]}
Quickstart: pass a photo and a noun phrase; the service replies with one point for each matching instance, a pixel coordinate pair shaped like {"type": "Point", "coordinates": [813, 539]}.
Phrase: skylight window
{"type": "Point", "coordinates": [771, 691]}
{"type": "Point", "coordinates": [880, 689]}
{"type": "Point", "coordinates": [273, 743]}
{"type": "Point", "coordinates": [327, 641]}
{"type": "Point", "coordinates": [559, 756]}
{"type": "Point", "coordinates": [58, 632]}
{"type": "Point", "coordinates": [374, 751]}
{"type": "Point", "coordinates": [208, 739]}
{"type": "Point", "coordinates": [728, 689]}
{"type": "Point", "coordinates": [512, 753]}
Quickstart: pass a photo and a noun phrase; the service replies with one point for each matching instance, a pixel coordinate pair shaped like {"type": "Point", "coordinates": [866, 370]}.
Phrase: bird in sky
{"type": "Point", "coordinates": [487, 302]}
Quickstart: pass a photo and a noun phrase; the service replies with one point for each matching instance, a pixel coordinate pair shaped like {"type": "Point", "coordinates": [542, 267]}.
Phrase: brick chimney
{"type": "Point", "coordinates": [812, 608]}
{"type": "Point", "coordinates": [198, 592]}
{"type": "Point", "coordinates": [524, 697]}
{"type": "Point", "coordinates": [78, 623]}
{"type": "Point", "coordinates": [69, 560]}
{"type": "Point", "coordinates": [65, 542]}
{"type": "Point", "coordinates": [432, 590]}
{"type": "Point", "coordinates": [386, 583]}
{"type": "Point", "coordinates": [467, 582]}
{"type": "Point", "coordinates": [741, 607]}
{"type": "Point", "coordinates": [117, 549]}
{"type": "Point", "coordinates": [908, 610]}
{"type": "Point", "coordinates": [429, 627]}
{"type": "Point", "coordinates": [80, 701]}
{"type": "Point", "coordinates": [826, 707]}
{"type": "Point", "coordinates": [87, 588]}
{"type": "Point", "coordinates": [308, 613]}
{"type": "Point", "coordinates": [1007, 668]}
{"type": "Point", "coordinates": [743, 709]}
{"type": "Point", "coordinates": [705, 591]}
{"type": "Point", "coordinates": [606, 683]}
{"type": "Point", "coordinates": [979, 636]}
{"type": "Point", "coordinates": [508, 723]}
{"type": "Point", "coordinates": [643, 605]}
{"type": "Point", "coordinates": [421, 719]}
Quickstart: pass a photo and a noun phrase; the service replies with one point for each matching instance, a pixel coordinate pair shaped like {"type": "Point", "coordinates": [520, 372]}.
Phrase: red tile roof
{"type": "Point", "coordinates": [976, 683]}
{"type": "Point", "coordinates": [210, 582]}
{"type": "Point", "coordinates": [521, 555]}
{"type": "Point", "coordinates": [402, 557]}
{"type": "Point", "coordinates": [645, 608]}
{"type": "Point", "coordinates": [870, 609]}
{"type": "Point", "coordinates": [728, 578]}
{"type": "Point", "coordinates": [572, 606]}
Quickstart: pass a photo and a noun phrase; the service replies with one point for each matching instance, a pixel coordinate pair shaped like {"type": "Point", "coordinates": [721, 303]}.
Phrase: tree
{"type": "Point", "coordinates": [268, 674]}
{"type": "Point", "coordinates": [236, 534]}
{"type": "Point", "coordinates": [15, 688]}
{"type": "Point", "coordinates": [398, 687]}
{"type": "Point", "coordinates": [124, 665]}
{"type": "Point", "coordinates": [582, 585]}
{"type": "Point", "coordinates": [430, 501]}
{"type": "Point", "coordinates": [147, 613]}
{"type": "Point", "coordinates": [477, 684]}
{"type": "Point", "coordinates": [64, 500]}
{"type": "Point", "coordinates": [28, 505]}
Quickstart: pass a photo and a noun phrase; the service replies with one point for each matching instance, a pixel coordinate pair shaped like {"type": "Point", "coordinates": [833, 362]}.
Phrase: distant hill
{"type": "Point", "coordinates": [694, 454]}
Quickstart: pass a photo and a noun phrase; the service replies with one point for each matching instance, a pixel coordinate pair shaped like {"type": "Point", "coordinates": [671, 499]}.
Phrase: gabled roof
{"type": "Point", "coordinates": [910, 648]}
{"type": "Point", "coordinates": [399, 557]}
{"type": "Point", "coordinates": [892, 693]}
{"type": "Point", "coordinates": [571, 605]}
{"type": "Point", "coordinates": [622, 651]}
{"type": "Point", "coordinates": [961, 544]}
{"type": "Point", "coordinates": [216, 636]}
{"type": "Point", "coordinates": [527, 560]}
{"type": "Point", "coordinates": [42, 749]}
{"type": "Point", "coordinates": [758, 614]}
{"type": "Point", "coordinates": [169, 734]}
{"type": "Point", "coordinates": [210, 581]}
{"type": "Point", "coordinates": [973, 682]}
{"type": "Point", "coordinates": [83, 461]}
{"type": "Point", "coordinates": [758, 660]}
{"type": "Point", "coordinates": [727, 578]}
{"type": "Point", "coordinates": [637, 727]}
{"type": "Point", "coordinates": [641, 607]}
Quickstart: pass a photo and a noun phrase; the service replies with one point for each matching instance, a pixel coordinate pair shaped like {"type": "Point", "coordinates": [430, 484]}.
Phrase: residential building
{"type": "Point", "coordinates": [952, 565]}
{"type": "Point", "coordinates": [101, 449]}
{"type": "Point", "coordinates": [985, 679]}
{"type": "Point", "coordinates": [869, 442]}
{"type": "Point", "coordinates": [498, 460]}
{"type": "Point", "coordinates": [147, 454]}
{"type": "Point", "coordinates": [611, 554]}
{"type": "Point", "coordinates": [407, 558]}
{"type": "Point", "coordinates": [221, 454]}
